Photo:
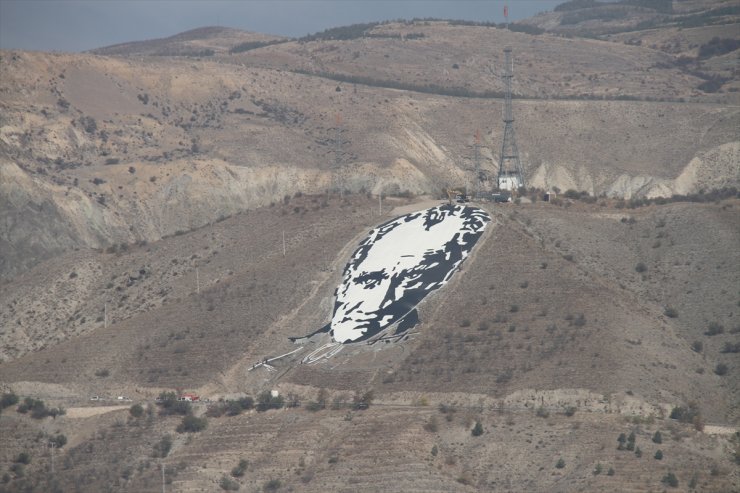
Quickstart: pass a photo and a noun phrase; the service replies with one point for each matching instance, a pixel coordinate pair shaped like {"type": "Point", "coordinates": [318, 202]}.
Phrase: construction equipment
{"type": "Point", "coordinates": [457, 196]}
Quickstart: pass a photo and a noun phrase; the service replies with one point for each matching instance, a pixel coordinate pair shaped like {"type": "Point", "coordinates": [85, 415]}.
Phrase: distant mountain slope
{"type": "Point", "coordinates": [108, 150]}
{"type": "Point", "coordinates": [202, 41]}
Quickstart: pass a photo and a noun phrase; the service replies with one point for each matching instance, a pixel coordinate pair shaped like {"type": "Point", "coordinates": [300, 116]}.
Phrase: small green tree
{"type": "Point", "coordinates": [560, 463]}
{"type": "Point", "coordinates": [670, 312]}
{"type": "Point", "coordinates": [657, 437]}
{"type": "Point", "coordinates": [631, 441]}
{"type": "Point", "coordinates": [266, 401]}
{"type": "Point", "coordinates": [228, 484]}
{"type": "Point", "coordinates": [163, 447]}
{"type": "Point", "coordinates": [638, 452]}
{"type": "Point", "coordinates": [191, 424]}
{"type": "Point", "coordinates": [598, 469]}
{"type": "Point", "coordinates": [721, 369]}
{"type": "Point", "coordinates": [659, 454]}
{"type": "Point", "coordinates": [670, 479]}
{"type": "Point", "coordinates": [272, 485]}
{"type": "Point", "coordinates": [58, 440]}
{"type": "Point", "coordinates": [136, 411]}
{"type": "Point", "coordinates": [23, 458]}
{"type": "Point", "coordinates": [610, 472]}
{"type": "Point", "coordinates": [477, 429]}
{"type": "Point", "coordinates": [8, 399]}
{"type": "Point", "coordinates": [622, 439]}
{"type": "Point", "coordinates": [239, 470]}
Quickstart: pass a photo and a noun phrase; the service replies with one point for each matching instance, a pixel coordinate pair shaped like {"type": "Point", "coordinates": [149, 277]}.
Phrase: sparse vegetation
{"type": "Point", "coordinates": [477, 429]}
{"type": "Point", "coordinates": [163, 447]}
{"type": "Point", "coordinates": [192, 424]}
{"type": "Point", "coordinates": [685, 414]}
{"type": "Point", "coordinates": [23, 458]}
{"type": "Point", "coordinates": [239, 470]}
{"type": "Point", "coordinates": [228, 484]}
{"type": "Point", "coordinates": [38, 409]}
{"type": "Point", "coordinates": [432, 425]}
{"type": "Point", "coordinates": [265, 401]}
{"type": "Point", "coordinates": [560, 463]}
{"type": "Point", "coordinates": [170, 405]}
{"type": "Point", "coordinates": [59, 440]}
{"type": "Point", "coordinates": [272, 485]}
{"type": "Point", "coordinates": [730, 348]}
{"type": "Point", "coordinates": [449, 361]}
{"type": "Point", "coordinates": [670, 312]}
{"type": "Point", "coordinates": [8, 399]}
{"type": "Point", "coordinates": [718, 46]}
{"type": "Point", "coordinates": [714, 329]}
{"type": "Point", "coordinates": [253, 45]}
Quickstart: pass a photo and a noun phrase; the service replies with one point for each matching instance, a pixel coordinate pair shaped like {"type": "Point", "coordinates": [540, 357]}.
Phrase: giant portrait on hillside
{"type": "Point", "coordinates": [397, 265]}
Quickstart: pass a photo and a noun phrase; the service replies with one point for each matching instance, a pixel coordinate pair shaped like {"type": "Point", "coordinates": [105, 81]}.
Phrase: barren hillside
{"type": "Point", "coordinates": [548, 314]}
{"type": "Point", "coordinates": [171, 214]}
{"type": "Point", "coordinates": [96, 151]}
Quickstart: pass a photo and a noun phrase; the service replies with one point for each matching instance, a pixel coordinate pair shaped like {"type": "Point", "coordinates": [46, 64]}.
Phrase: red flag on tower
{"type": "Point", "coordinates": [506, 11]}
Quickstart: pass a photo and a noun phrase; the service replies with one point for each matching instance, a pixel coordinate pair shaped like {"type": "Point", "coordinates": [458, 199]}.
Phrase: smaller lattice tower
{"type": "Point", "coordinates": [510, 175]}
{"type": "Point", "coordinates": [476, 162]}
{"type": "Point", "coordinates": [337, 179]}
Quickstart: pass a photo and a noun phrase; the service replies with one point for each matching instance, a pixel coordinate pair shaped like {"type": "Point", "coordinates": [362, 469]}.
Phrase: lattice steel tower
{"type": "Point", "coordinates": [510, 175]}
{"type": "Point", "coordinates": [337, 178]}
{"type": "Point", "coordinates": [476, 162]}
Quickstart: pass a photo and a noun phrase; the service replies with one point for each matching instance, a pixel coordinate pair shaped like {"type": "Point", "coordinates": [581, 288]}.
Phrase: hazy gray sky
{"type": "Point", "coordinates": [77, 25]}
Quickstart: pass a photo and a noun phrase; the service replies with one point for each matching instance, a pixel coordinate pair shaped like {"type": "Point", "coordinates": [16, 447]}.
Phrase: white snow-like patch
{"type": "Point", "coordinates": [398, 264]}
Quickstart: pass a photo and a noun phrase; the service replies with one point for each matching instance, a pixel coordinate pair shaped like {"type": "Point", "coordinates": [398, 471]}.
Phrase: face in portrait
{"type": "Point", "coordinates": [398, 264]}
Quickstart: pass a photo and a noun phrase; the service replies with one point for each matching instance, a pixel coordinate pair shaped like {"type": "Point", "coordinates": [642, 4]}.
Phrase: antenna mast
{"type": "Point", "coordinates": [476, 161]}
{"type": "Point", "coordinates": [510, 175]}
{"type": "Point", "coordinates": [337, 179]}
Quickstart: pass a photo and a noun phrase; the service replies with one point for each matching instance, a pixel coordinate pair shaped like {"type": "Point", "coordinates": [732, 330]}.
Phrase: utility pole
{"type": "Point", "coordinates": [283, 243]}
{"type": "Point", "coordinates": [197, 281]}
{"type": "Point", "coordinates": [476, 158]}
{"type": "Point", "coordinates": [105, 316]}
{"type": "Point", "coordinates": [338, 158]}
{"type": "Point", "coordinates": [53, 444]}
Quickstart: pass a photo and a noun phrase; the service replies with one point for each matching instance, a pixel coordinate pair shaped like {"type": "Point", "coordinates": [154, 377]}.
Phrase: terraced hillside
{"type": "Point", "coordinates": [103, 150]}
{"type": "Point", "coordinates": [171, 215]}
{"type": "Point", "coordinates": [549, 316]}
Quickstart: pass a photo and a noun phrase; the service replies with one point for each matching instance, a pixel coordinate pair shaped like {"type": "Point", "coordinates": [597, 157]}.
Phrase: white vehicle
{"type": "Point", "coordinates": [95, 398]}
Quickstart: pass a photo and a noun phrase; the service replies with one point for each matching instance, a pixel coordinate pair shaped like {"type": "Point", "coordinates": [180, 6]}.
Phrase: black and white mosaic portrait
{"type": "Point", "coordinates": [397, 265]}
